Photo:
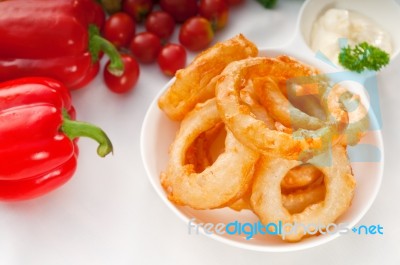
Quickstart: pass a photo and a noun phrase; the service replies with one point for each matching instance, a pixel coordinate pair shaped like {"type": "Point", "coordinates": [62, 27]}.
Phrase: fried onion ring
{"type": "Point", "coordinates": [340, 106]}
{"type": "Point", "coordinates": [223, 182]}
{"type": "Point", "coordinates": [243, 203]}
{"type": "Point", "coordinates": [249, 97]}
{"type": "Point", "coordinates": [309, 190]}
{"type": "Point", "coordinates": [303, 96]}
{"type": "Point", "coordinates": [198, 154]}
{"type": "Point", "coordinates": [358, 119]}
{"type": "Point", "coordinates": [196, 82]}
{"type": "Point", "coordinates": [280, 107]}
{"type": "Point", "coordinates": [301, 145]}
{"type": "Point", "coordinates": [300, 177]}
{"type": "Point", "coordinates": [297, 201]}
{"type": "Point", "coordinates": [294, 202]}
{"type": "Point", "coordinates": [267, 204]}
{"type": "Point", "coordinates": [297, 67]}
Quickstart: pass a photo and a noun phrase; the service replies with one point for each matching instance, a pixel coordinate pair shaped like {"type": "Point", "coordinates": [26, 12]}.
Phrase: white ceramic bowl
{"type": "Point", "coordinates": [158, 133]}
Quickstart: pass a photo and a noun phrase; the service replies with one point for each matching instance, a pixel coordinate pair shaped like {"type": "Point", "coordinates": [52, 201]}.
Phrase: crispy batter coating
{"type": "Point", "coordinates": [301, 187]}
{"type": "Point", "coordinates": [220, 184]}
{"type": "Point", "coordinates": [300, 177]}
{"type": "Point", "coordinates": [302, 144]}
{"type": "Point", "coordinates": [280, 107]}
{"type": "Point", "coordinates": [266, 199]}
{"type": "Point", "coordinates": [196, 83]}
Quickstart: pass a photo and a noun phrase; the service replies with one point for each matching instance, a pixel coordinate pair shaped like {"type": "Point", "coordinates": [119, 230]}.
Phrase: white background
{"type": "Point", "coordinates": [110, 214]}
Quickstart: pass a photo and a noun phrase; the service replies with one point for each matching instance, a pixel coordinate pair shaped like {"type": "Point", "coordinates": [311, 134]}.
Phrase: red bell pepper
{"type": "Point", "coordinates": [58, 39]}
{"type": "Point", "coordinates": [38, 133]}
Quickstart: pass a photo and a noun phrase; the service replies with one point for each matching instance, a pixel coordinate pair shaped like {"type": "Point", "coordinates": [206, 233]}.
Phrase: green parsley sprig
{"type": "Point", "coordinates": [362, 57]}
{"type": "Point", "coordinates": [268, 3]}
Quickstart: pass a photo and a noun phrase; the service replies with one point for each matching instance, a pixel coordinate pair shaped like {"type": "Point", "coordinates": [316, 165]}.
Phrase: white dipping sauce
{"type": "Point", "coordinates": [340, 23]}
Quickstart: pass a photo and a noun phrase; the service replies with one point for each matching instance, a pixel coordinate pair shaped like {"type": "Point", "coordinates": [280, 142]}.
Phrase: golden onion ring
{"type": "Point", "coordinates": [266, 199]}
{"type": "Point", "coordinates": [250, 98]}
{"type": "Point", "coordinates": [297, 201]}
{"type": "Point", "coordinates": [358, 122]}
{"type": "Point", "coordinates": [300, 177]}
{"type": "Point", "coordinates": [303, 188]}
{"type": "Point", "coordinates": [294, 202]}
{"type": "Point", "coordinates": [280, 107]}
{"type": "Point", "coordinates": [196, 82]}
{"type": "Point", "coordinates": [301, 145]}
{"type": "Point", "coordinates": [223, 182]}
{"type": "Point", "coordinates": [340, 106]}
{"type": "Point", "coordinates": [198, 154]}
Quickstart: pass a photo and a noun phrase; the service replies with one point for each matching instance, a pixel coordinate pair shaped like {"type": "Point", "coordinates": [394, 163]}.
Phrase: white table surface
{"type": "Point", "coordinates": [109, 213]}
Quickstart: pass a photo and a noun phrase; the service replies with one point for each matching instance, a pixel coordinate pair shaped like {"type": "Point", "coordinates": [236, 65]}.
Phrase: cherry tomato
{"type": "Point", "coordinates": [146, 46]}
{"type": "Point", "coordinates": [160, 23]}
{"type": "Point", "coordinates": [196, 33]}
{"type": "Point", "coordinates": [172, 58]}
{"type": "Point", "coordinates": [216, 11]}
{"type": "Point", "coordinates": [138, 9]}
{"type": "Point", "coordinates": [180, 9]}
{"type": "Point", "coordinates": [128, 79]}
{"type": "Point", "coordinates": [119, 29]}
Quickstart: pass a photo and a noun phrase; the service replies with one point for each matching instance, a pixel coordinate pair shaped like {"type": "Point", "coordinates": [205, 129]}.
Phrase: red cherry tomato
{"type": "Point", "coordinates": [172, 58]}
{"type": "Point", "coordinates": [216, 11]}
{"type": "Point", "coordinates": [180, 9]}
{"type": "Point", "coordinates": [196, 33]}
{"type": "Point", "coordinates": [128, 79]}
{"type": "Point", "coordinates": [160, 23]}
{"type": "Point", "coordinates": [138, 9]}
{"type": "Point", "coordinates": [146, 46]}
{"type": "Point", "coordinates": [119, 29]}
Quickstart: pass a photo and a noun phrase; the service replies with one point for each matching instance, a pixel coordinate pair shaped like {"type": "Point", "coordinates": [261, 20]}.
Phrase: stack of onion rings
{"type": "Point", "coordinates": [271, 160]}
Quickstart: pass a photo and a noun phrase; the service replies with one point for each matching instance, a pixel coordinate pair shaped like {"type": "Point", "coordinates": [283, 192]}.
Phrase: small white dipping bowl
{"type": "Point", "coordinates": [386, 13]}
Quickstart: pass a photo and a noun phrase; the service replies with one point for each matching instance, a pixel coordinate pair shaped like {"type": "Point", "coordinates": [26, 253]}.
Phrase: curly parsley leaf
{"type": "Point", "coordinates": [267, 3]}
{"type": "Point", "coordinates": [363, 56]}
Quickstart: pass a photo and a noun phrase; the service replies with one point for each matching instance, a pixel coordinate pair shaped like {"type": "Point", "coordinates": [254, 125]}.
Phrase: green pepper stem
{"type": "Point", "coordinates": [97, 44]}
{"type": "Point", "coordinates": [74, 129]}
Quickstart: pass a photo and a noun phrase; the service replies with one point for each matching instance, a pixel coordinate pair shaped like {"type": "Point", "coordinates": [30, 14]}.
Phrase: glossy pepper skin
{"type": "Point", "coordinates": [57, 39]}
{"type": "Point", "coordinates": [38, 133]}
